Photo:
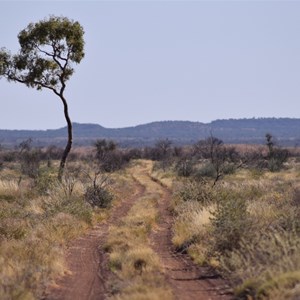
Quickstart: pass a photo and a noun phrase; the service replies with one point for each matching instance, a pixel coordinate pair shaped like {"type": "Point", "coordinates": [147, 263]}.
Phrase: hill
{"type": "Point", "coordinates": [251, 131]}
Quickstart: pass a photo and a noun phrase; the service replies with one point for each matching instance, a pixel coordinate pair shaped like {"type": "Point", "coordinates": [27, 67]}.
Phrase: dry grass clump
{"type": "Point", "coordinates": [250, 231]}
{"type": "Point", "coordinates": [130, 254]}
{"type": "Point", "coordinates": [37, 218]}
{"type": "Point", "coordinates": [166, 178]}
{"type": "Point", "coordinates": [190, 225]}
{"type": "Point", "coordinates": [195, 190]}
{"type": "Point", "coordinates": [268, 266]}
{"type": "Point", "coordinates": [9, 190]}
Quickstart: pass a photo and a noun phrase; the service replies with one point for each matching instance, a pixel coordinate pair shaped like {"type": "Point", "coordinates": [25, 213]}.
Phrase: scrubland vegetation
{"type": "Point", "coordinates": [39, 215]}
{"type": "Point", "coordinates": [235, 209]}
{"type": "Point", "coordinates": [248, 228]}
{"type": "Point", "coordinates": [238, 211]}
{"type": "Point", "coordinates": [34, 228]}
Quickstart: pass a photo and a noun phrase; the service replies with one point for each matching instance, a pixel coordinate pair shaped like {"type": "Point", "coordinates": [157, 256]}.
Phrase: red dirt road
{"type": "Point", "coordinates": [87, 262]}
{"type": "Point", "coordinates": [89, 273]}
{"type": "Point", "coordinates": [187, 280]}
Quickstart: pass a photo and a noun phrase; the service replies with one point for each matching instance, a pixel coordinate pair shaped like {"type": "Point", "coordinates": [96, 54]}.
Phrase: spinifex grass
{"type": "Point", "coordinates": [250, 231]}
{"type": "Point", "coordinates": [37, 219]}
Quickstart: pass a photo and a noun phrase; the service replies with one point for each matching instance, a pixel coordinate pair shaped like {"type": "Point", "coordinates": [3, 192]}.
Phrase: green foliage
{"type": "Point", "coordinates": [249, 231]}
{"type": "Point", "coordinates": [103, 147]}
{"type": "Point", "coordinates": [30, 163]}
{"type": "Point", "coordinates": [77, 207]}
{"type": "Point", "coordinates": [4, 58]}
{"type": "Point", "coordinates": [47, 50]}
{"type": "Point", "coordinates": [63, 35]}
{"type": "Point", "coordinates": [45, 181]}
{"type": "Point", "coordinates": [276, 157]}
{"type": "Point", "coordinates": [207, 170]}
{"type": "Point", "coordinates": [185, 167]}
{"type": "Point", "coordinates": [199, 191]}
{"type": "Point", "coordinates": [109, 158]}
{"type": "Point", "coordinates": [230, 223]}
{"type": "Point", "coordinates": [219, 159]}
{"type": "Point", "coordinates": [114, 161]}
{"type": "Point", "coordinates": [98, 196]}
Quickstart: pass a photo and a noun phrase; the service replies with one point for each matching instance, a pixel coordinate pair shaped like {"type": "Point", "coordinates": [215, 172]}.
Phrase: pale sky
{"type": "Point", "coordinates": [163, 60]}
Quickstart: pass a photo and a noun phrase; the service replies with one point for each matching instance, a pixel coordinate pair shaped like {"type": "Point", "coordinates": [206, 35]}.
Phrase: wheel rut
{"type": "Point", "coordinates": [89, 275]}
{"type": "Point", "coordinates": [88, 268]}
{"type": "Point", "coordinates": [187, 280]}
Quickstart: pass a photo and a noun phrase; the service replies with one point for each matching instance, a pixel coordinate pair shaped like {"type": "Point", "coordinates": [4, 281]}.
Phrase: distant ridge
{"type": "Point", "coordinates": [251, 131]}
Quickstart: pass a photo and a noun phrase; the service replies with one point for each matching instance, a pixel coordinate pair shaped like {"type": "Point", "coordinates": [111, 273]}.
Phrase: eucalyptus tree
{"type": "Point", "coordinates": [49, 50]}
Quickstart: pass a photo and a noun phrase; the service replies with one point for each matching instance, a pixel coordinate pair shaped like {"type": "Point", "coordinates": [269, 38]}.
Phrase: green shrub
{"type": "Point", "coordinates": [45, 181]}
{"type": "Point", "coordinates": [207, 170]}
{"type": "Point", "coordinates": [185, 167]}
{"type": "Point", "coordinates": [199, 191]}
{"type": "Point", "coordinates": [274, 165]}
{"type": "Point", "coordinates": [78, 208]}
{"type": "Point", "coordinates": [230, 223]}
{"type": "Point", "coordinates": [98, 196]}
{"type": "Point", "coordinates": [30, 163]}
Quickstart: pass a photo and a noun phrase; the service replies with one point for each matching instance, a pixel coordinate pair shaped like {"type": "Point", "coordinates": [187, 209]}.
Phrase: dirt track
{"type": "Point", "coordinates": [187, 280]}
{"type": "Point", "coordinates": [89, 273]}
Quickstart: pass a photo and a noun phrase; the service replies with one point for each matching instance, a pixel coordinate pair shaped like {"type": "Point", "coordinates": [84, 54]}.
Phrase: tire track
{"type": "Point", "coordinates": [188, 280]}
{"type": "Point", "coordinates": [87, 261]}
{"type": "Point", "coordinates": [89, 274]}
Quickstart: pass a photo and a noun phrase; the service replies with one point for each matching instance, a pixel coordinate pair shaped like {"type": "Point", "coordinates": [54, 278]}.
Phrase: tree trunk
{"type": "Point", "coordinates": [70, 140]}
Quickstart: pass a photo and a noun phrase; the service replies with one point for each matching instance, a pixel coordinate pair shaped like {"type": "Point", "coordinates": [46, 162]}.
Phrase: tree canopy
{"type": "Point", "coordinates": [49, 48]}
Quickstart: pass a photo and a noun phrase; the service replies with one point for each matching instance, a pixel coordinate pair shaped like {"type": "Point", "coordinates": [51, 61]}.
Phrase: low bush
{"type": "Point", "coordinates": [114, 160]}
{"type": "Point", "coordinates": [185, 167]}
{"type": "Point", "coordinates": [98, 196]}
{"type": "Point", "coordinates": [45, 182]}
{"type": "Point", "coordinates": [230, 223]}
{"type": "Point", "coordinates": [207, 170]}
{"type": "Point", "coordinates": [194, 190]}
{"type": "Point", "coordinates": [30, 163]}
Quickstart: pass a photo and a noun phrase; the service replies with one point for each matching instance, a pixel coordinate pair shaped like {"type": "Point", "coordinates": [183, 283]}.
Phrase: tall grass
{"type": "Point", "coordinates": [267, 266]}
{"type": "Point", "coordinates": [37, 219]}
{"type": "Point", "coordinates": [250, 231]}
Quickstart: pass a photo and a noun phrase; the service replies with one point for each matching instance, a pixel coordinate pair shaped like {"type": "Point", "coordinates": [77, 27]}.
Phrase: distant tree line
{"type": "Point", "coordinates": [209, 157]}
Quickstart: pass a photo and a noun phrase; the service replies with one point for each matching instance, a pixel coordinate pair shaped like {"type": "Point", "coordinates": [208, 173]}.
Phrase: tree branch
{"type": "Point", "coordinates": [17, 79]}
{"type": "Point", "coordinates": [45, 52]}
